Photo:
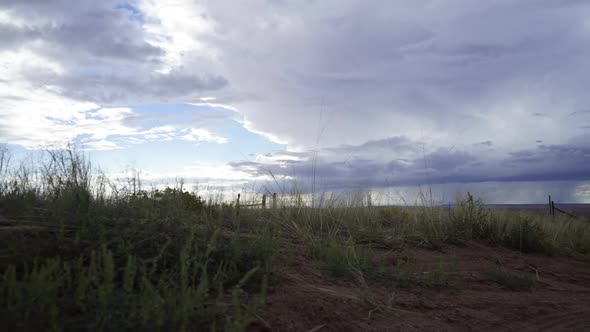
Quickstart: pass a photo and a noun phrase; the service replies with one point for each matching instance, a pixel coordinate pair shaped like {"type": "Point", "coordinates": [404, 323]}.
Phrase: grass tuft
{"type": "Point", "coordinates": [514, 282]}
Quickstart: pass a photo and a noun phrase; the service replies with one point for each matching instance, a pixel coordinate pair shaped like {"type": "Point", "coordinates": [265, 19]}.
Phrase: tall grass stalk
{"type": "Point", "coordinates": [81, 251]}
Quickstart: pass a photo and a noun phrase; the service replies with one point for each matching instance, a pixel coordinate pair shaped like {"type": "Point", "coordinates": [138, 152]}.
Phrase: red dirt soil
{"type": "Point", "coordinates": [306, 300]}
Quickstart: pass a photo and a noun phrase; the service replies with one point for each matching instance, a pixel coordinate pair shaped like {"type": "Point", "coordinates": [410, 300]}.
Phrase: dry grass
{"type": "Point", "coordinates": [80, 253]}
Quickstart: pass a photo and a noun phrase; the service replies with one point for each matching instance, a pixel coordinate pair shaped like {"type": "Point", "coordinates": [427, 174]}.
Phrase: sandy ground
{"type": "Point", "coordinates": [306, 300]}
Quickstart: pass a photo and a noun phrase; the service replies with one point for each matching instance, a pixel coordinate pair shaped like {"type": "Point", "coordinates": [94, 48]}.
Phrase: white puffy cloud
{"type": "Point", "coordinates": [60, 69]}
{"type": "Point", "coordinates": [203, 135]}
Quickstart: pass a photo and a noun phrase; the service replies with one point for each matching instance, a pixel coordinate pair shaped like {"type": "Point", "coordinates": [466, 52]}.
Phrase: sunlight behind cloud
{"type": "Point", "coordinates": [175, 26]}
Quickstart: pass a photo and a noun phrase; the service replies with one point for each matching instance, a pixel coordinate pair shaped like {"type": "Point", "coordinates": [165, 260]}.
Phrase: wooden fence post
{"type": "Point", "coordinates": [274, 200]}
{"type": "Point", "coordinates": [238, 206]}
{"type": "Point", "coordinates": [264, 201]}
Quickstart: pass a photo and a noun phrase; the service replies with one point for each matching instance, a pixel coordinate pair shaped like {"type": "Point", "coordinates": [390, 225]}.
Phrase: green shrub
{"type": "Point", "coordinates": [526, 235]}
{"type": "Point", "coordinates": [342, 259]}
{"type": "Point", "coordinates": [349, 260]}
{"type": "Point", "coordinates": [101, 292]}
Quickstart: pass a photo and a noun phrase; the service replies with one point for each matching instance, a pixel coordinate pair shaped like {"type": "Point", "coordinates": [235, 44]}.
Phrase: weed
{"type": "Point", "coordinates": [349, 260]}
{"type": "Point", "coordinates": [80, 252]}
{"type": "Point", "coordinates": [342, 259]}
{"type": "Point", "coordinates": [408, 275]}
{"type": "Point", "coordinates": [513, 281]}
{"type": "Point", "coordinates": [436, 278]}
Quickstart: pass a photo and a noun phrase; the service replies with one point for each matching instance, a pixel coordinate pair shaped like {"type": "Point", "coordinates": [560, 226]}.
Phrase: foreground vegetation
{"type": "Point", "coordinates": [79, 252]}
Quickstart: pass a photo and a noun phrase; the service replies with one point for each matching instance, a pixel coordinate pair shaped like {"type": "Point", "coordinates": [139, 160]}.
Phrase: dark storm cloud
{"type": "Point", "coordinates": [390, 144]}
{"type": "Point", "coordinates": [448, 160]}
{"type": "Point", "coordinates": [335, 171]}
{"type": "Point", "coordinates": [480, 84]}
{"type": "Point", "coordinates": [550, 162]}
{"type": "Point", "coordinates": [448, 66]}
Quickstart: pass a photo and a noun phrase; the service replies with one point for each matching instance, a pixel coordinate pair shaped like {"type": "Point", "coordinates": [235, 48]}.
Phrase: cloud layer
{"type": "Point", "coordinates": [384, 92]}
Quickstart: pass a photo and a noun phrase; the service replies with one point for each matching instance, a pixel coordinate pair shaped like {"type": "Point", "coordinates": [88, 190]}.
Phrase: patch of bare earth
{"type": "Point", "coordinates": [306, 300]}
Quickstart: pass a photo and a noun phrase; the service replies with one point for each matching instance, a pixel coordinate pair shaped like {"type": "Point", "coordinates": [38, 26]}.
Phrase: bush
{"type": "Point", "coordinates": [132, 260]}
{"type": "Point", "coordinates": [182, 286]}
{"type": "Point", "coordinates": [342, 259]}
{"type": "Point", "coordinates": [526, 235]}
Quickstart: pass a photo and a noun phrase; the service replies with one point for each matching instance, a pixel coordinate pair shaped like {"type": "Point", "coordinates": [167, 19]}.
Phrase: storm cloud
{"type": "Point", "coordinates": [374, 166]}
{"type": "Point", "coordinates": [361, 93]}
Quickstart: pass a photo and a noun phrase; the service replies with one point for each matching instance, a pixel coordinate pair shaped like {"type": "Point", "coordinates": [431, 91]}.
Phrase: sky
{"type": "Point", "coordinates": [392, 97]}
